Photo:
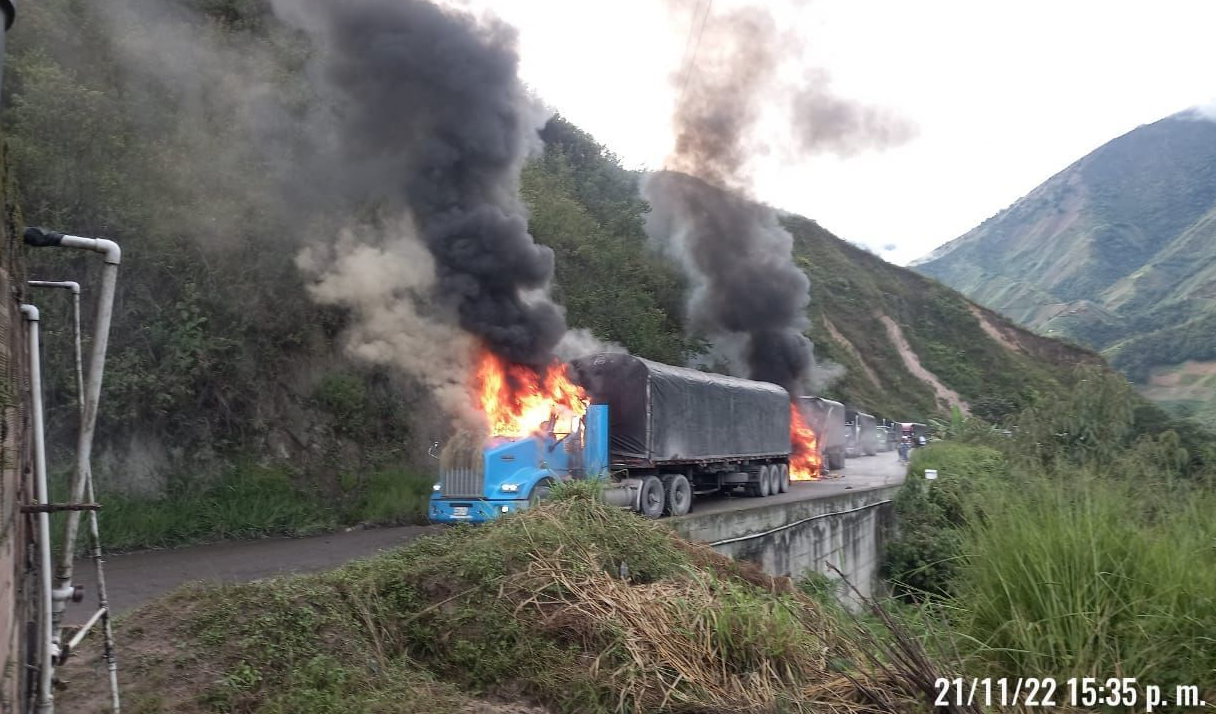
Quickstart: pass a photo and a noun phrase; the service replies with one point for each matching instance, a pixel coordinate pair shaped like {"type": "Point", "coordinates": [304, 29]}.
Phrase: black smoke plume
{"type": "Point", "coordinates": [749, 297]}
{"type": "Point", "coordinates": [429, 119]}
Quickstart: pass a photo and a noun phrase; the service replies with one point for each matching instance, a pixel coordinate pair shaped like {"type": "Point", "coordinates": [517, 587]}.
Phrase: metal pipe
{"type": "Point", "coordinates": [112, 254]}
{"type": "Point", "coordinates": [80, 635]}
{"type": "Point", "coordinates": [48, 653]}
{"type": "Point", "coordinates": [103, 603]}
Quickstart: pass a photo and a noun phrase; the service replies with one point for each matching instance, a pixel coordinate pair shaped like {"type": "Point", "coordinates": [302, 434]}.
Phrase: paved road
{"type": "Point", "coordinates": [135, 578]}
{"type": "Point", "coordinates": [859, 474]}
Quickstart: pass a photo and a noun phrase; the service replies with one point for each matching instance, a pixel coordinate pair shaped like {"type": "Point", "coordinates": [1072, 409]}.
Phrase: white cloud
{"type": "Point", "coordinates": [1205, 111]}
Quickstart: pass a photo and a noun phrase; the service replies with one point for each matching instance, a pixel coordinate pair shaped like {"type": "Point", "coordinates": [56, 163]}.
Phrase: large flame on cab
{"type": "Point", "coordinates": [518, 400]}
{"type": "Point", "coordinates": [806, 464]}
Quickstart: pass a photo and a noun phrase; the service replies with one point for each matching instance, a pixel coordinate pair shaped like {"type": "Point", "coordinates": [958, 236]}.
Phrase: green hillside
{"type": "Point", "coordinates": [1117, 252]}
{"type": "Point", "coordinates": [222, 368]}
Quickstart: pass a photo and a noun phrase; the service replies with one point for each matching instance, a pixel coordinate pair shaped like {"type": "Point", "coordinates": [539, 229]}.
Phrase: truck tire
{"type": "Point", "coordinates": [540, 492]}
{"type": "Point", "coordinates": [835, 460]}
{"type": "Point", "coordinates": [651, 497]}
{"type": "Point", "coordinates": [785, 478]}
{"type": "Point", "coordinates": [774, 479]}
{"type": "Point", "coordinates": [765, 481]}
{"type": "Point", "coordinates": [678, 501]}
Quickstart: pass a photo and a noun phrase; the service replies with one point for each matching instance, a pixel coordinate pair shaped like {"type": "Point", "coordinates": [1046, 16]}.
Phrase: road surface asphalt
{"type": "Point", "coordinates": [135, 578]}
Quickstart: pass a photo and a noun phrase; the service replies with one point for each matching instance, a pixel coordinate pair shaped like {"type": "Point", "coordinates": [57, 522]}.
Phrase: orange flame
{"type": "Point", "coordinates": [517, 399]}
{"type": "Point", "coordinates": [806, 464]}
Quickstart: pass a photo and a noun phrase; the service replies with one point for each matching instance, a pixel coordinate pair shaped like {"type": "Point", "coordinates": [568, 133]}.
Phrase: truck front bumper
{"type": "Point", "coordinates": [457, 510]}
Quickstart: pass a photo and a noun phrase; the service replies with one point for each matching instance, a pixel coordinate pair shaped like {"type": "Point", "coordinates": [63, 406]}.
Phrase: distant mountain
{"type": "Point", "coordinates": [1117, 252]}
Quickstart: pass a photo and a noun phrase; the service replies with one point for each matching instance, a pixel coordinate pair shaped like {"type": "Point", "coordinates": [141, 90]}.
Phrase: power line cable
{"type": "Point", "coordinates": [688, 62]}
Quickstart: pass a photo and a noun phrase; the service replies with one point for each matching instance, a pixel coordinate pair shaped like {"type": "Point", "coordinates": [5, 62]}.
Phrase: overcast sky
{"type": "Point", "coordinates": [1003, 93]}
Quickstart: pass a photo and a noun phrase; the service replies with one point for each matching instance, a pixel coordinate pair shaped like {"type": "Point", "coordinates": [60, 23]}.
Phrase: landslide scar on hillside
{"type": "Point", "coordinates": [848, 347]}
{"type": "Point", "coordinates": [993, 331]}
{"type": "Point", "coordinates": [912, 362]}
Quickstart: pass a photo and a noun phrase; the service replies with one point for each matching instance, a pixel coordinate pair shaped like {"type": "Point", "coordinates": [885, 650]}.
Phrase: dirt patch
{"type": "Point", "coordinates": [995, 332]}
{"type": "Point", "coordinates": [912, 363]}
{"type": "Point", "coordinates": [848, 346]}
{"type": "Point", "coordinates": [1175, 376]}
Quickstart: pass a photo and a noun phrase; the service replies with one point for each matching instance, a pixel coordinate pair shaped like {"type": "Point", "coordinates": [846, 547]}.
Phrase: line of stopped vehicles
{"type": "Point", "coordinates": [657, 436]}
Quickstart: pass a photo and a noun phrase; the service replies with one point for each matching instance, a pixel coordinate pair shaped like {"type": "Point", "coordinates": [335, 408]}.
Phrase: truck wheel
{"type": "Point", "coordinates": [785, 478]}
{"type": "Point", "coordinates": [540, 492]}
{"type": "Point", "coordinates": [650, 499]}
{"type": "Point", "coordinates": [679, 495]}
{"type": "Point", "coordinates": [765, 481]}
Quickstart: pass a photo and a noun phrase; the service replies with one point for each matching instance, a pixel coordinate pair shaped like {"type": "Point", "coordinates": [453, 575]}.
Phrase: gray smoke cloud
{"type": "Point", "coordinates": [385, 277]}
{"type": "Point", "coordinates": [748, 296]}
{"type": "Point", "coordinates": [824, 122]}
{"type": "Point", "coordinates": [388, 137]}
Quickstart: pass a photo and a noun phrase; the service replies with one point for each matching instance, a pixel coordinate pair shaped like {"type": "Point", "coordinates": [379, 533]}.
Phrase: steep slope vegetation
{"type": "Point", "coordinates": [220, 360]}
{"type": "Point", "coordinates": [1118, 251]}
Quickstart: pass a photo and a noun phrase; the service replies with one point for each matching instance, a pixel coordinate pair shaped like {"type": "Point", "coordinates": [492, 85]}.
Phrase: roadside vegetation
{"type": "Point", "coordinates": [1079, 545]}
{"type": "Point", "coordinates": [254, 502]}
{"type": "Point", "coordinates": [573, 606]}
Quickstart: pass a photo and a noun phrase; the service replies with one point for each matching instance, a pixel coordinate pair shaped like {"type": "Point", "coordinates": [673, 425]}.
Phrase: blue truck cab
{"type": "Point", "coordinates": [480, 481]}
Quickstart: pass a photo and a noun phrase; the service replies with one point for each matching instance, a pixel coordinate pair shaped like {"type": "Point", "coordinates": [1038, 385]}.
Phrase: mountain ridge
{"type": "Point", "coordinates": [1117, 251]}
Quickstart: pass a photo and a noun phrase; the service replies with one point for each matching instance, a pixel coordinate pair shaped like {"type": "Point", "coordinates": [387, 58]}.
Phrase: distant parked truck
{"type": "Point", "coordinates": [884, 437]}
{"type": "Point", "coordinates": [861, 434]}
{"type": "Point", "coordinates": [826, 419]}
{"type": "Point", "coordinates": [655, 434]}
{"type": "Point", "coordinates": [893, 435]}
{"type": "Point", "coordinates": [915, 431]}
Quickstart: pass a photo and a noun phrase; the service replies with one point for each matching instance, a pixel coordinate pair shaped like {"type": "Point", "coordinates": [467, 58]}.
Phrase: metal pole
{"type": "Point", "coordinates": [46, 632]}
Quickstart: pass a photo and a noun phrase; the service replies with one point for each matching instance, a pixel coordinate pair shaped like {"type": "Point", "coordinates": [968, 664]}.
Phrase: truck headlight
{"type": "Point", "coordinates": [437, 487]}
{"type": "Point", "coordinates": [510, 488]}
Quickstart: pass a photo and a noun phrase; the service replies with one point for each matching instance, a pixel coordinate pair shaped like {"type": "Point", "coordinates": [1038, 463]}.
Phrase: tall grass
{"type": "Point", "coordinates": [1086, 577]}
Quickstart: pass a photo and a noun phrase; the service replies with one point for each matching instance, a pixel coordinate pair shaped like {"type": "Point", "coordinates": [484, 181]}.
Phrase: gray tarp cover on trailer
{"type": "Point", "coordinates": [657, 412]}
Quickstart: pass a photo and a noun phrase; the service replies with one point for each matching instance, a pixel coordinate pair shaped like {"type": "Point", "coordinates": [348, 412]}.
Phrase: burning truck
{"type": "Point", "coordinates": [657, 435]}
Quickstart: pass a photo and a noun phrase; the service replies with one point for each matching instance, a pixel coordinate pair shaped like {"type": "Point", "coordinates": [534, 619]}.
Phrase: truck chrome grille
{"type": "Point", "coordinates": [462, 483]}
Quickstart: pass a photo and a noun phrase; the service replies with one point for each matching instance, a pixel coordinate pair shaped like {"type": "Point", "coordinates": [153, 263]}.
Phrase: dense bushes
{"type": "Point", "coordinates": [924, 559]}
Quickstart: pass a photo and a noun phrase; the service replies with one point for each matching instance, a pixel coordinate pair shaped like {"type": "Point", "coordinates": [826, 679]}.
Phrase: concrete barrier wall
{"type": "Point", "coordinates": [846, 530]}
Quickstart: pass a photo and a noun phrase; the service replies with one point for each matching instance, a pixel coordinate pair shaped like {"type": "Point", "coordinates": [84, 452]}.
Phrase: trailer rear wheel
{"type": "Point", "coordinates": [785, 478]}
{"type": "Point", "coordinates": [651, 497]}
{"type": "Point", "coordinates": [766, 481]}
{"type": "Point", "coordinates": [679, 495]}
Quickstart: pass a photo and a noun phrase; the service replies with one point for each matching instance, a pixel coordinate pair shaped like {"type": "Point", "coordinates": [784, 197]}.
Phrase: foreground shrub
{"type": "Point", "coordinates": [922, 559]}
